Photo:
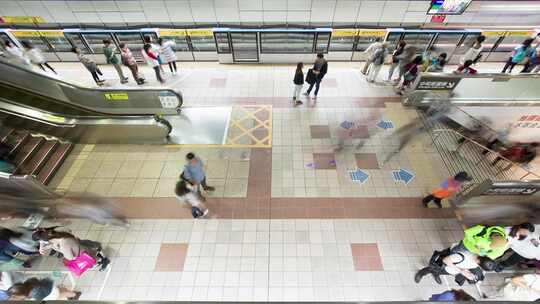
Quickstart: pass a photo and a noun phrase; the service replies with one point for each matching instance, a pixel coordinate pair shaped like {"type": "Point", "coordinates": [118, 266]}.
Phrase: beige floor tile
{"type": "Point", "coordinates": [235, 188]}
{"type": "Point", "coordinates": [129, 168]}
{"type": "Point", "coordinates": [122, 187]}
{"type": "Point", "coordinates": [165, 187]}
{"type": "Point", "coordinates": [151, 169]}
{"type": "Point", "coordinates": [156, 155]}
{"type": "Point", "coordinates": [108, 169]}
{"type": "Point", "coordinates": [238, 169]}
{"type": "Point", "coordinates": [136, 156]}
{"type": "Point", "coordinates": [89, 169]}
{"type": "Point", "coordinates": [144, 187]}
{"type": "Point", "coordinates": [99, 187]}
{"type": "Point", "coordinates": [172, 169]}
{"type": "Point", "coordinates": [78, 186]}
{"type": "Point", "coordinates": [217, 168]}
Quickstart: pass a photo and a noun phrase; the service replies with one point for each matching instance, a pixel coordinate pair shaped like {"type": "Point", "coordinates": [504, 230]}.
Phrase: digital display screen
{"type": "Point", "coordinates": [448, 7]}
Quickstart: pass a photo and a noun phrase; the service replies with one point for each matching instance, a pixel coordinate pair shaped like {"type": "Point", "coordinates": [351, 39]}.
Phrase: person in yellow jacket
{"type": "Point", "coordinates": [488, 241]}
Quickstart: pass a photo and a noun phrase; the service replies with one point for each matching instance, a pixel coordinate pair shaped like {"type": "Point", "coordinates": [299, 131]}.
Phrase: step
{"type": "Point", "coordinates": [26, 151]}
{"type": "Point", "coordinates": [38, 160]}
{"type": "Point", "coordinates": [54, 162]}
{"type": "Point", "coordinates": [5, 133]}
{"type": "Point", "coordinates": [17, 143]}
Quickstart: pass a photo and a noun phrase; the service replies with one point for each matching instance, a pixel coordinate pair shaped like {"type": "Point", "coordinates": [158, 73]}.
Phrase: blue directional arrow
{"type": "Point", "coordinates": [358, 176]}
{"type": "Point", "coordinates": [347, 125]}
{"type": "Point", "coordinates": [385, 124]}
{"type": "Point", "coordinates": [402, 175]}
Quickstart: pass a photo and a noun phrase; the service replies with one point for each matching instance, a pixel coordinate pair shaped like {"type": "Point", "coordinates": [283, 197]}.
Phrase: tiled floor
{"type": "Point", "coordinates": [286, 221]}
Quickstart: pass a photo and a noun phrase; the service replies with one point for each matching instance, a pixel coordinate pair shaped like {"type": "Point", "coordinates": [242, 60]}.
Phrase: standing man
{"type": "Point", "coordinates": [109, 52]}
{"type": "Point", "coordinates": [320, 67]}
{"type": "Point", "coordinates": [194, 173]}
{"type": "Point", "coordinates": [446, 189]}
{"type": "Point", "coordinates": [369, 54]}
{"type": "Point", "coordinates": [377, 61]}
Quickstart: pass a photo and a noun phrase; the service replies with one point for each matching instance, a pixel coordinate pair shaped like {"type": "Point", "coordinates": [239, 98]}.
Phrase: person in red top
{"type": "Point", "coordinates": [446, 189]}
{"type": "Point", "coordinates": [466, 68]}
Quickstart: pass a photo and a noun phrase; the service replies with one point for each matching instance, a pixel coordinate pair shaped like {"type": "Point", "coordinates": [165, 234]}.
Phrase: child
{"type": "Point", "coordinates": [298, 83]}
{"type": "Point", "coordinates": [447, 189]}
{"type": "Point", "coordinates": [185, 194]}
{"type": "Point", "coordinates": [466, 68]}
{"type": "Point", "coordinates": [437, 64]}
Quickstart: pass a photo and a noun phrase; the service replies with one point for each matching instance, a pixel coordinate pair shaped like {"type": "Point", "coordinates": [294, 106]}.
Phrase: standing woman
{"type": "Point", "coordinates": [396, 58]}
{"type": "Point", "coordinates": [298, 83]}
{"type": "Point", "coordinates": [169, 56]}
{"type": "Point", "coordinates": [129, 61]}
{"type": "Point", "coordinates": [35, 56]}
{"type": "Point", "coordinates": [89, 64]}
{"type": "Point", "coordinates": [519, 54]}
{"type": "Point", "coordinates": [410, 74]}
{"type": "Point", "coordinates": [152, 60]}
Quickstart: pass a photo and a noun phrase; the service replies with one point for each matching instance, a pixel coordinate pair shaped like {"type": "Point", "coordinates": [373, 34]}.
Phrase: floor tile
{"type": "Point", "coordinates": [319, 131]}
{"type": "Point", "coordinates": [366, 160]}
{"type": "Point", "coordinates": [217, 82]}
{"type": "Point", "coordinates": [324, 161]}
{"type": "Point", "coordinates": [171, 257]}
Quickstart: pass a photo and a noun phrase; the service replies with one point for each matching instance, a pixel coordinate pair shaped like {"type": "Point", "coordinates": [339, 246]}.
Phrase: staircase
{"type": "Point", "coordinates": [33, 154]}
{"type": "Point", "coordinates": [471, 156]}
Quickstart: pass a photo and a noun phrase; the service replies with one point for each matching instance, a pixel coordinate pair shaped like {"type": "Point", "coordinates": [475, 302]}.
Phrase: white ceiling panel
{"type": "Point", "coordinates": [250, 5]}
{"type": "Point", "coordinates": [105, 6]}
{"type": "Point", "coordinates": [394, 11]}
{"type": "Point", "coordinates": [226, 10]}
{"type": "Point", "coordinates": [178, 11]}
{"type": "Point", "coordinates": [370, 11]}
{"type": "Point", "coordinates": [298, 16]}
{"type": "Point", "coordinates": [11, 8]}
{"type": "Point", "coordinates": [81, 6]}
{"type": "Point", "coordinates": [129, 6]}
{"type": "Point", "coordinates": [134, 17]}
{"type": "Point", "coordinates": [275, 16]}
{"type": "Point", "coordinates": [60, 12]}
{"type": "Point", "coordinates": [251, 16]}
{"type": "Point", "coordinates": [419, 6]}
{"type": "Point", "coordinates": [110, 17]}
{"type": "Point", "coordinates": [203, 11]}
{"type": "Point", "coordinates": [299, 5]}
{"type": "Point", "coordinates": [275, 5]}
{"type": "Point", "coordinates": [36, 8]}
{"type": "Point", "coordinates": [463, 18]}
{"type": "Point", "coordinates": [414, 17]}
{"type": "Point", "coordinates": [323, 10]}
{"type": "Point", "coordinates": [155, 11]}
{"type": "Point", "coordinates": [346, 10]}
{"type": "Point", "coordinates": [87, 17]}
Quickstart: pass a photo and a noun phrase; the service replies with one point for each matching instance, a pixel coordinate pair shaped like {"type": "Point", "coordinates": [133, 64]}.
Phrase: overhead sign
{"type": "Point", "coordinates": [344, 32]}
{"type": "Point", "coordinates": [200, 32]}
{"type": "Point", "coordinates": [371, 33]}
{"type": "Point", "coordinates": [494, 33]}
{"type": "Point", "coordinates": [427, 83]}
{"type": "Point", "coordinates": [116, 96]}
{"type": "Point", "coordinates": [438, 18]}
{"type": "Point", "coordinates": [21, 19]}
{"type": "Point", "coordinates": [172, 32]}
{"type": "Point", "coordinates": [22, 33]}
{"type": "Point", "coordinates": [448, 7]}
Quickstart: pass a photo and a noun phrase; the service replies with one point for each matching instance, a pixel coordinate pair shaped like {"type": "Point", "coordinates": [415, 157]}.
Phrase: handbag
{"type": "Point", "coordinates": [310, 77]}
{"type": "Point", "coordinates": [80, 264]}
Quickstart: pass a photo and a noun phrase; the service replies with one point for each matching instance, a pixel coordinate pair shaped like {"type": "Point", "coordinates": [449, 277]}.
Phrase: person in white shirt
{"type": "Point", "coordinates": [369, 54]}
{"type": "Point", "coordinates": [188, 194]}
{"type": "Point", "coordinates": [474, 51]}
{"type": "Point", "coordinates": [35, 56]}
{"type": "Point", "coordinates": [524, 244]}
{"type": "Point", "coordinates": [169, 56]}
{"type": "Point", "coordinates": [522, 288]}
{"type": "Point", "coordinates": [16, 54]}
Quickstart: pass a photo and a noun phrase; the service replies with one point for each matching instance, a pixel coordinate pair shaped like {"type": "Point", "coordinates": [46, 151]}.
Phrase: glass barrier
{"type": "Point", "coordinates": [133, 40]}
{"type": "Point", "coordinates": [279, 43]}
{"type": "Point", "coordinates": [95, 41]}
{"type": "Point", "coordinates": [34, 38]}
{"type": "Point", "coordinates": [222, 41]}
{"type": "Point", "coordinates": [467, 43]}
{"type": "Point", "coordinates": [322, 42]}
{"type": "Point", "coordinates": [446, 43]}
{"type": "Point", "coordinates": [58, 42]}
{"type": "Point", "coordinates": [202, 40]}
{"type": "Point", "coordinates": [77, 41]}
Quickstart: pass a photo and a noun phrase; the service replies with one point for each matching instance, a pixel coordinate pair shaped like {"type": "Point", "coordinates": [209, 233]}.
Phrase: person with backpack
{"type": "Point", "coordinates": [448, 188]}
{"type": "Point", "coordinates": [168, 54]}
{"type": "Point", "coordinates": [519, 54]}
{"type": "Point", "coordinates": [320, 68]}
{"type": "Point", "coordinates": [35, 56]}
{"type": "Point", "coordinates": [298, 81]}
{"type": "Point", "coordinates": [187, 194]}
{"type": "Point", "coordinates": [463, 265]}
{"type": "Point", "coordinates": [397, 56]}
{"type": "Point", "coordinates": [474, 52]}
{"type": "Point", "coordinates": [129, 61]}
{"type": "Point", "coordinates": [109, 51]}
{"type": "Point", "coordinates": [369, 54]}
{"type": "Point", "coordinates": [377, 61]}
{"type": "Point", "coordinates": [485, 241]}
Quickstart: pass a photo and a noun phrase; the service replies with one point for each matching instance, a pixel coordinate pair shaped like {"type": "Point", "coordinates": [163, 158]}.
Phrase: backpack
{"type": "Point", "coordinates": [196, 212]}
{"type": "Point", "coordinates": [378, 56]}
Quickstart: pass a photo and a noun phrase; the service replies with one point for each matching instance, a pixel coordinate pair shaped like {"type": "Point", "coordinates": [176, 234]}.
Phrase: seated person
{"type": "Point", "coordinates": [454, 261]}
{"type": "Point", "coordinates": [485, 241]}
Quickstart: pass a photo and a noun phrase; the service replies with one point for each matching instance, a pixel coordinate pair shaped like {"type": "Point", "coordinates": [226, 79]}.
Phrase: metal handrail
{"type": "Point", "coordinates": [529, 172]}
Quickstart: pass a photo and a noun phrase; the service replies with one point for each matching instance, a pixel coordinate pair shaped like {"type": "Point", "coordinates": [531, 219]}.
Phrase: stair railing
{"type": "Point", "coordinates": [24, 186]}
{"type": "Point", "coordinates": [438, 132]}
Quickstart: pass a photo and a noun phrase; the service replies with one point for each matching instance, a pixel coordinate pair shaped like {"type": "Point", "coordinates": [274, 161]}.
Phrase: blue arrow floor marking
{"type": "Point", "coordinates": [358, 176]}
{"type": "Point", "coordinates": [402, 175]}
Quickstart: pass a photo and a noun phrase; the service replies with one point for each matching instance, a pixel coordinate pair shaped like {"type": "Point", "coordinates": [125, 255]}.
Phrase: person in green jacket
{"type": "Point", "coordinates": [488, 241]}
{"type": "Point", "coordinates": [109, 51]}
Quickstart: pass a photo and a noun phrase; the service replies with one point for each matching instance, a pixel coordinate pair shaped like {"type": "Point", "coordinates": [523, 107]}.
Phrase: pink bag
{"type": "Point", "coordinates": [80, 264]}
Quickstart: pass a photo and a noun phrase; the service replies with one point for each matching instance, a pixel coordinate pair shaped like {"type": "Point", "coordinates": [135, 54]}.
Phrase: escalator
{"type": "Point", "coordinates": [50, 106]}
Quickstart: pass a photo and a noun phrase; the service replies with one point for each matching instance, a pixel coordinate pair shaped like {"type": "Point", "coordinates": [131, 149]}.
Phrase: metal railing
{"type": "Point", "coordinates": [486, 151]}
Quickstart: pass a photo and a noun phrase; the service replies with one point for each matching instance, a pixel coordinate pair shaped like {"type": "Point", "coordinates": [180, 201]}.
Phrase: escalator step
{"type": "Point", "coordinates": [40, 157]}
{"type": "Point", "coordinates": [5, 133]}
{"type": "Point", "coordinates": [16, 143]}
{"type": "Point", "coordinates": [27, 151]}
{"type": "Point", "coordinates": [54, 162]}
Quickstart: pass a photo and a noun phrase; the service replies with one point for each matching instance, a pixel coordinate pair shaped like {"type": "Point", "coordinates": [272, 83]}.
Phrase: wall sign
{"type": "Point", "coordinates": [116, 96]}
{"type": "Point", "coordinates": [22, 19]}
{"type": "Point", "coordinates": [427, 83]}
{"type": "Point", "coordinates": [517, 190]}
{"type": "Point", "coordinates": [168, 100]}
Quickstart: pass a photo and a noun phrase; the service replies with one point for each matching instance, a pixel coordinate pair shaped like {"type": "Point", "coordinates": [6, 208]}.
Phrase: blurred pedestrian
{"type": "Point", "coordinates": [16, 54]}
{"type": "Point", "coordinates": [448, 188]}
{"type": "Point", "coordinates": [519, 54]}
{"type": "Point", "coordinates": [194, 173]}
{"type": "Point", "coordinates": [466, 68]}
{"type": "Point", "coordinates": [90, 65]}
{"type": "Point", "coordinates": [129, 61]}
{"type": "Point", "coordinates": [35, 56]}
{"type": "Point", "coordinates": [156, 49]}
{"type": "Point", "coordinates": [525, 287]}
{"type": "Point", "coordinates": [369, 54]}
{"type": "Point", "coordinates": [152, 60]}
{"type": "Point", "coordinates": [411, 72]}
{"type": "Point", "coordinates": [109, 51]}
{"type": "Point", "coordinates": [320, 68]}
{"type": "Point", "coordinates": [397, 56]}
{"type": "Point", "coordinates": [533, 64]}
{"type": "Point", "coordinates": [408, 55]}
{"type": "Point", "coordinates": [35, 289]}
{"type": "Point", "coordinates": [298, 81]}
{"type": "Point", "coordinates": [453, 295]}
{"type": "Point", "coordinates": [377, 61]}
{"type": "Point", "coordinates": [167, 53]}
{"type": "Point", "coordinates": [185, 193]}
{"type": "Point", "coordinates": [474, 53]}
{"type": "Point", "coordinates": [437, 64]}
{"type": "Point", "coordinates": [524, 245]}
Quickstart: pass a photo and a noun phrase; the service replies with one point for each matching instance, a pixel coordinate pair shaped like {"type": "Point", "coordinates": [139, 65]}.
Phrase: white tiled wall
{"type": "Point", "coordinates": [361, 12]}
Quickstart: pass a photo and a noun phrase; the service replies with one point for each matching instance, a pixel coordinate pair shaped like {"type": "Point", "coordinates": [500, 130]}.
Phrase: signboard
{"type": "Point", "coordinates": [371, 33]}
{"type": "Point", "coordinates": [116, 96]}
{"type": "Point", "coordinates": [168, 100]}
{"type": "Point", "coordinates": [21, 33]}
{"type": "Point", "coordinates": [448, 7]}
{"type": "Point", "coordinates": [344, 32]}
{"type": "Point", "coordinates": [494, 33]}
{"type": "Point", "coordinates": [438, 18]}
{"type": "Point", "coordinates": [172, 32]}
{"type": "Point", "coordinates": [22, 19]}
{"type": "Point", "coordinates": [427, 83]}
{"type": "Point", "coordinates": [510, 190]}
{"type": "Point", "coordinates": [51, 34]}
{"type": "Point", "coordinates": [200, 32]}
{"type": "Point", "coordinates": [520, 33]}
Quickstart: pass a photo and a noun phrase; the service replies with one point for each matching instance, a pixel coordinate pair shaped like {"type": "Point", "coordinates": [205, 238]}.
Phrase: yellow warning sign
{"type": "Point", "coordinates": [200, 32]}
{"type": "Point", "coordinates": [494, 33]}
{"type": "Point", "coordinates": [172, 32]}
{"type": "Point", "coordinates": [22, 33]}
{"type": "Point", "coordinates": [116, 96]}
{"type": "Point", "coordinates": [22, 19]}
{"type": "Point", "coordinates": [51, 34]}
{"type": "Point", "coordinates": [520, 33]}
{"type": "Point", "coordinates": [371, 33]}
{"type": "Point", "coordinates": [344, 32]}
